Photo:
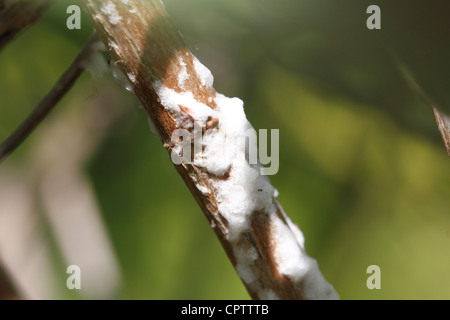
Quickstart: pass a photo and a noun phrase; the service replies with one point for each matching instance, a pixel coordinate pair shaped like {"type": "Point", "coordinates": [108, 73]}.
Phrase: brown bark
{"type": "Point", "coordinates": [147, 48]}
{"type": "Point", "coordinates": [17, 15]}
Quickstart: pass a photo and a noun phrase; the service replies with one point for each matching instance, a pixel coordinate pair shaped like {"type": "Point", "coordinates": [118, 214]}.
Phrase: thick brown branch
{"type": "Point", "coordinates": [16, 15]}
{"type": "Point", "coordinates": [177, 93]}
{"type": "Point", "coordinates": [63, 85]}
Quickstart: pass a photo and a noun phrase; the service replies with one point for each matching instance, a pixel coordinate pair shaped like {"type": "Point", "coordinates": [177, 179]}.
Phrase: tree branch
{"type": "Point", "coordinates": [176, 91]}
{"type": "Point", "coordinates": [41, 111]}
{"type": "Point", "coordinates": [16, 15]}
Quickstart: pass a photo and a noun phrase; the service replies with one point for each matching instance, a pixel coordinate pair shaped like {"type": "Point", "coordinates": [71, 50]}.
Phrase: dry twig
{"type": "Point", "coordinates": [41, 111]}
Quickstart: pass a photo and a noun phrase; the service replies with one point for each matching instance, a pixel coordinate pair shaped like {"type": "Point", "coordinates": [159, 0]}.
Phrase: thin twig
{"type": "Point", "coordinates": [264, 246]}
{"type": "Point", "coordinates": [41, 111]}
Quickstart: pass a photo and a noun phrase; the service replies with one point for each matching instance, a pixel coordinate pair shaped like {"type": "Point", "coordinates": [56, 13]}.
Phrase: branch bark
{"type": "Point", "coordinates": [264, 246]}
{"type": "Point", "coordinates": [16, 15]}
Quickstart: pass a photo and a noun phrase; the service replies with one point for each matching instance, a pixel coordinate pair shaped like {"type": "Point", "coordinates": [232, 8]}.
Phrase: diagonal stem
{"type": "Point", "coordinates": [176, 91]}
{"type": "Point", "coordinates": [442, 119]}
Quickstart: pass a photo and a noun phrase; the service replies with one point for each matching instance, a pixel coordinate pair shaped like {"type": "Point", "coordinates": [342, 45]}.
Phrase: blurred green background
{"type": "Point", "coordinates": [363, 170]}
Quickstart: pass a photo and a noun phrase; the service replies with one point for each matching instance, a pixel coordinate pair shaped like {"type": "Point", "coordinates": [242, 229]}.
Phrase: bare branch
{"type": "Point", "coordinates": [16, 15]}
{"type": "Point", "coordinates": [64, 84]}
{"type": "Point", "coordinates": [176, 90]}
